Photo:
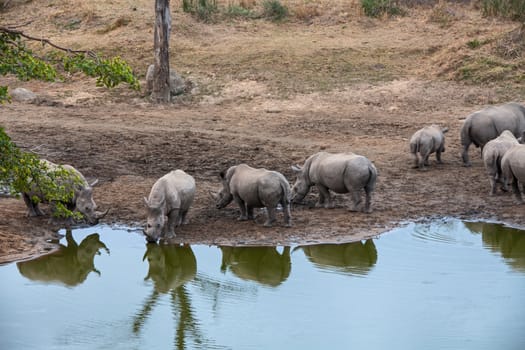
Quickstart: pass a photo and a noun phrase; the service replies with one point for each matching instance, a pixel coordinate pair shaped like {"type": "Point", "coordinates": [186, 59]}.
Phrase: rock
{"type": "Point", "coordinates": [23, 95]}
{"type": "Point", "coordinates": [177, 84]}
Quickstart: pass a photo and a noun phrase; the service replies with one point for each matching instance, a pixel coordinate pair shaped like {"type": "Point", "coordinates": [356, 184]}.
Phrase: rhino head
{"type": "Point", "coordinates": [85, 204]}
{"type": "Point", "coordinates": [301, 186]}
{"type": "Point", "coordinates": [155, 222]}
{"type": "Point", "coordinates": [224, 196]}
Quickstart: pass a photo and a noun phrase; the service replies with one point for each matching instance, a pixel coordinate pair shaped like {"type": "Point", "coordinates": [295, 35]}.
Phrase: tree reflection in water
{"type": "Point", "coordinates": [507, 241]}
{"type": "Point", "coordinates": [261, 264]}
{"type": "Point", "coordinates": [170, 267]}
{"type": "Point", "coordinates": [356, 258]}
{"type": "Point", "coordinates": [69, 265]}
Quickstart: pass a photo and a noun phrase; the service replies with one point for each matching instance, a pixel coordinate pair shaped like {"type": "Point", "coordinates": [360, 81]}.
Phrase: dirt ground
{"type": "Point", "coordinates": [269, 95]}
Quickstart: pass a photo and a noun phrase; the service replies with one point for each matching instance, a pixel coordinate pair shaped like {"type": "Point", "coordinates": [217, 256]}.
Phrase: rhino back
{"type": "Point", "coordinates": [255, 186]}
{"type": "Point", "coordinates": [174, 190]}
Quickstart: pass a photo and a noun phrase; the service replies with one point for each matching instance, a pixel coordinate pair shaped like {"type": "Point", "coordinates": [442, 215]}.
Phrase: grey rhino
{"type": "Point", "coordinates": [424, 142]}
{"type": "Point", "coordinates": [341, 173]}
{"type": "Point", "coordinates": [513, 169]}
{"type": "Point", "coordinates": [254, 188]}
{"type": "Point", "coordinates": [82, 193]}
{"type": "Point", "coordinates": [493, 152]}
{"type": "Point", "coordinates": [171, 196]}
{"type": "Point", "coordinates": [482, 126]}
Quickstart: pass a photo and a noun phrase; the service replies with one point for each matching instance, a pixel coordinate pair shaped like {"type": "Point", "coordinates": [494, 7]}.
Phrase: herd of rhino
{"type": "Point", "coordinates": [498, 130]}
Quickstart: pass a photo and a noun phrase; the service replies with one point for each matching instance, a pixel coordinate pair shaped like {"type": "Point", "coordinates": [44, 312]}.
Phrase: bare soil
{"type": "Point", "coordinates": [269, 95]}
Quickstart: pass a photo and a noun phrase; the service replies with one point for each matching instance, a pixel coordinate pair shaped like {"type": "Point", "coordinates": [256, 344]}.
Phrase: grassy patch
{"type": "Point", "coordinates": [274, 10]}
{"type": "Point", "coordinates": [488, 69]}
{"type": "Point", "coordinates": [378, 8]}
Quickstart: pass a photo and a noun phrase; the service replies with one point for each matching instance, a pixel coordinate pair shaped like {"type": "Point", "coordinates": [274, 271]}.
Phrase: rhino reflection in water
{"type": "Point", "coordinates": [353, 258]}
{"type": "Point", "coordinates": [70, 265]}
{"type": "Point", "coordinates": [170, 267]}
{"type": "Point", "coordinates": [507, 241]}
{"type": "Point", "coordinates": [261, 264]}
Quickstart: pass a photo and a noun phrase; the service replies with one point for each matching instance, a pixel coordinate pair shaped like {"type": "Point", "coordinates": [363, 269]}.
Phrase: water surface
{"type": "Point", "coordinates": [441, 285]}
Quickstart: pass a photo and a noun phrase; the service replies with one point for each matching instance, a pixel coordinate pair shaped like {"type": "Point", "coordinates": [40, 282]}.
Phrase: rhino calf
{"type": "Point", "coordinates": [424, 142]}
{"type": "Point", "coordinates": [492, 154]}
{"type": "Point", "coordinates": [482, 126]}
{"type": "Point", "coordinates": [513, 169]}
{"type": "Point", "coordinates": [341, 173]}
{"type": "Point", "coordinates": [75, 182]}
{"type": "Point", "coordinates": [171, 197]}
{"type": "Point", "coordinates": [254, 188]}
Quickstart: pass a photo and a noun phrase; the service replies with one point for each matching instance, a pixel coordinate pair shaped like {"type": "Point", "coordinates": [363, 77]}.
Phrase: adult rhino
{"type": "Point", "coordinates": [72, 180]}
{"type": "Point", "coordinates": [492, 154]}
{"type": "Point", "coordinates": [424, 142]}
{"type": "Point", "coordinates": [339, 172]}
{"type": "Point", "coordinates": [482, 126]}
{"type": "Point", "coordinates": [254, 188]}
{"type": "Point", "coordinates": [513, 169]}
{"type": "Point", "coordinates": [171, 196]}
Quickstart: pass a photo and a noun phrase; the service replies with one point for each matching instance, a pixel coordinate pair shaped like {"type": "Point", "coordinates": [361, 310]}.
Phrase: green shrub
{"type": "Point", "coordinates": [377, 8]}
{"type": "Point", "coordinates": [274, 10]}
{"type": "Point", "coordinates": [202, 9]}
{"type": "Point", "coordinates": [239, 11]}
{"type": "Point", "coordinates": [513, 9]}
{"type": "Point", "coordinates": [474, 44]}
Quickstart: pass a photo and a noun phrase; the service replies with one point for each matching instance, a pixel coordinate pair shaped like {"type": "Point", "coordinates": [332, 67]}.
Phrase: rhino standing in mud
{"type": "Point", "coordinates": [341, 173]}
{"type": "Point", "coordinates": [424, 142]}
{"type": "Point", "coordinates": [493, 152]}
{"type": "Point", "coordinates": [82, 193]}
{"type": "Point", "coordinates": [254, 188]}
{"type": "Point", "coordinates": [171, 196]}
{"type": "Point", "coordinates": [513, 169]}
{"type": "Point", "coordinates": [482, 126]}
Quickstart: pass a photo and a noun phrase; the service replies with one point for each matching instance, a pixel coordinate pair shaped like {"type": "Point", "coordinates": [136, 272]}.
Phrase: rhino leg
{"type": "Point", "coordinates": [416, 160]}
{"type": "Point", "coordinates": [249, 212]}
{"type": "Point", "coordinates": [287, 215]}
{"type": "Point", "coordinates": [242, 207]}
{"type": "Point", "coordinates": [517, 193]}
{"type": "Point", "coordinates": [492, 185]}
{"type": "Point", "coordinates": [368, 201]}
{"type": "Point", "coordinates": [183, 220]}
{"type": "Point", "coordinates": [324, 197]}
{"type": "Point", "coordinates": [173, 219]}
{"type": "Point", "coordinates": [356, 200]}
{"type": "Point", "coordinates": [464, 156]}
{"type": "Point", "coordinates": [32, 208]}
{"type": "Point", "coordinates": [438, 157]}
{"type": "Point", "coordinates": [271, 217]}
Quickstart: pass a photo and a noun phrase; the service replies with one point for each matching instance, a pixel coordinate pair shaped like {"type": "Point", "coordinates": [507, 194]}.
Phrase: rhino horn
{"type": "Point", "coordinates": [101, 214]}
{"type": "Point", "coordinates": [93, 183]}
{"type": "Point", "coordinates": [296, 168]}
{"type": "Point", "coordinates": [213, 195]}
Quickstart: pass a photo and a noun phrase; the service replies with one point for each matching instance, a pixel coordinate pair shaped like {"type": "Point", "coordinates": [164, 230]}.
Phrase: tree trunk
{"type": "Point", "coordinates": [161, 72]}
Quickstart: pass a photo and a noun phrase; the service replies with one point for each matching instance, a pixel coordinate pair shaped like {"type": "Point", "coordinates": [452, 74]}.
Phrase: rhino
{"type": "Point", "coordinates": [339, 172]}
{"type": "Point", "coordinates": [424, 142]}
{"type": "Point", "coordinates": [254, 188]}
{"type": "Point", "coordinates": [492, 154]}
{"type": "Point", "coordinates": [482, 126]}
{"type": "Point", "coordinates": [513, 169]}
{"type": "Point", "coordinates": [171, 196]}
{"type": "Point", "coordinates": [82, 200]}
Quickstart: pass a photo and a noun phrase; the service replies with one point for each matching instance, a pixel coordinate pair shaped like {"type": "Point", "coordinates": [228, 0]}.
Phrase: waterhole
{"type": "Point", "coordinates": [445, 284]}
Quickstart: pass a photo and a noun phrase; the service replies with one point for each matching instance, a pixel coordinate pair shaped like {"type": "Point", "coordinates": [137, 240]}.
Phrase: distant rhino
{"type": "Point", "coordinates": [171, 196]}
{"type": "Point", "coordinates": [82, 193]}
{"type": "Point", "coordinates": [341, 173]}
{"type": "Point", "coordinates": [254, 188]}
{"type": "Point", "coordinates": [482, 126]}
{"type": "Point", "coordinates": [493, 152]}
{"type": "Point", "coordinates": [424, 142]}
{"type": "Point", "coordinates": [513, 169]}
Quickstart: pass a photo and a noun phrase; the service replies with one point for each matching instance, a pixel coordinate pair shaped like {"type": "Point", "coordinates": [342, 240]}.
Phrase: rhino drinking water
{"type": "Point", "coordinates": [254, 188]}
{"type": "Point", "coordinates": [493, 152]}
{"type": "Point", "coordinates": [73, 181]}
{"type": "Point", "coordinates": [424, 142]}
{"type": "Point", "coordinates": [341, 173]}
{"type": "Point", "coordinates": [513, 169]}
{"type": "Point", "coordinates": [171, 196]}
{"type": "Point", "coordinates": [482, 126]}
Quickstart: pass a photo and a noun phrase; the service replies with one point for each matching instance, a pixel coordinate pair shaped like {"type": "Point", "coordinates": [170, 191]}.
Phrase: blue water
{"type": "Point", "coordinates": [441, 285]}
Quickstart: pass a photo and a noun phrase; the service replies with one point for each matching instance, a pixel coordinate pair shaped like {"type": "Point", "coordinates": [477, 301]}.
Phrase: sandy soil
{"type": "Point", "coordinates": [281, 97]}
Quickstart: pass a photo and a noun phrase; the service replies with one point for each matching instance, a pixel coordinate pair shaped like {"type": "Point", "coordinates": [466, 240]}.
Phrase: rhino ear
{"type": "Point", "coordinates": [94, 183]}
{"type": "Point", "coordinates": [444, 130]}
{"type": "Point", "coordinates": [146, 202]}
{"type": "Point", "coordinates": [296, 168]}
{"type": "Point", "coordinates": [213, 195]}
{"type": "Point", "coordinates": [222, 174]}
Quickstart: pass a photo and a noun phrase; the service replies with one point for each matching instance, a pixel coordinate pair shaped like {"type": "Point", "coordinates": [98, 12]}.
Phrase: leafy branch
{"type": "Point", "coordinates": [16, 58]}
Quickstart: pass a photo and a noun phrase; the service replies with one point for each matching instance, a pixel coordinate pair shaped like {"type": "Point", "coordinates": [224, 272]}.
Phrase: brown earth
{"type": "Point", "coordinates": [267, 94]}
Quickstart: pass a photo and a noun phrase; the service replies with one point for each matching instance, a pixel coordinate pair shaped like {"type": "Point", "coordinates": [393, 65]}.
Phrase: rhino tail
{"type": "Point", "coordinates": [372, 178]}
{"type": "Point", "coordinates": [415, 146]}
{"type": "Point", "coordinates": [287, 194]}
{"type": "Point", "coordinates": [465, 133]}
